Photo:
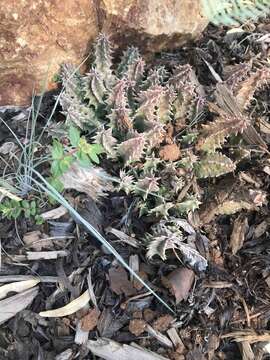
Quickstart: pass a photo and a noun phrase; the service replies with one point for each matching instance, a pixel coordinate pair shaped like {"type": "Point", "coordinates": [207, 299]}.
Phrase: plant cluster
{"type": "Point", "coordinates": [147, 124]}
{"type": "Point", "coordinates": [75, 148]}
{"type": "Point", "coordinates": [13, 209]}
{"type": "Point", "coordinates": [234, 12]}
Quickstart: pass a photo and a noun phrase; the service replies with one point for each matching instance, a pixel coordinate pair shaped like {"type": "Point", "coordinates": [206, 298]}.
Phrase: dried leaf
{"type": "Point", "coordinates": [170, 152]}
{"type": "Point", "coordinates": [70, 308]}
{"type": "Point", "coordinates": [137, 326]}
{"type": "Point", "coordinates": [90, 320]}
{"type": "Point", "coordinates": [180, 282]}
{"type": "Point", "coordinates": [93, 181]}
{"type": "Point", "coordinates": [11, 306]}
{"type": "Point", "coordinates": [237, 239]}
{"type": "Point", "coordinates": [163, 323]}
{"type": "Point", "coordinates": [17, 287]}
{"type": "Point", "coordinates": [132, 149]}
{"type": "Point", "coordinates": [35, 240]}
{"type": "Point", "coordinates": [119, 282]}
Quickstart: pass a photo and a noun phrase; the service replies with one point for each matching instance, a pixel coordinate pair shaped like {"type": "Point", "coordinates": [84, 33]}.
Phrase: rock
{"type": "Point", "coordinates": [38, 35]}
{"type": "Point", "coordinates": [152, 25]}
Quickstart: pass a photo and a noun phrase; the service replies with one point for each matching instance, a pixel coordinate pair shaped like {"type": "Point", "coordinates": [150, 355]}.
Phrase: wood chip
{"type": "Point", "coordinates": [124, 237]}
{"type": "Point", "coordinates": [240, 228]}
{"type": "Point", "coordinates": [11, 306]}
{"type": "Point", "coordinates": [46, 255]}
{"type": "Point", "coordinates": [17, 287]}
{"type": "Point", "coordinates": [111, 350]}
{"type": "Point", "coordinates": [162, 339]}
{"type": "Point", "coordinates": [176, 340]}
{"type": "Point", "coordinates": [246, 350]}
{"type": "Point", "coordinates": [55, 213]}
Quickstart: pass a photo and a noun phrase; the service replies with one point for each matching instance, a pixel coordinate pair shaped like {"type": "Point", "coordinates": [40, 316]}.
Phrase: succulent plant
{"type": "Point", "coordinates": [146, 122]}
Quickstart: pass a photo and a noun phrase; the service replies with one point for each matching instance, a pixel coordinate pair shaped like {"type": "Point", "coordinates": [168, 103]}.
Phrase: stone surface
{"type": "Point", "coordinates": [152, 25]}
{"type": "Point", "coordinates": [36, 36]}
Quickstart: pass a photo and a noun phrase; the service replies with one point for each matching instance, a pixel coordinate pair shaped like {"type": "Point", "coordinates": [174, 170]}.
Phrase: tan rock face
{"type": "Point", "coordinates": [36, 36]}
{"type": "Point", "coordinates": [152, 25]}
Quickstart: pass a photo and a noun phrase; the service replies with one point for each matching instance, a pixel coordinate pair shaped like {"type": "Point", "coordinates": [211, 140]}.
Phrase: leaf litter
{"type": "Point", "coordinates": [181, 192]}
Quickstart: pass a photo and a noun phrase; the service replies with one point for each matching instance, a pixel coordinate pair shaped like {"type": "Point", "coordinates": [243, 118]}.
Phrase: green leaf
{"type": "Point", "coordinates": [65, 163]}
{"type": "Point", "coordinates": [39, 220]}
{"type": "Point", "coordinates": [83, 159]}
{"type": "Point", "coordinates": [27, 213]}
{"type": "Point", "coordinates": [55, 168]}
{"type": "Point", "coordinates": [25, 204]}
{"type": "Point", "coordinates": [57, 150]}
{"type": "Point", "coordinates": [57, 184]}
{"type": "Point", "coordinates": [74, 136]}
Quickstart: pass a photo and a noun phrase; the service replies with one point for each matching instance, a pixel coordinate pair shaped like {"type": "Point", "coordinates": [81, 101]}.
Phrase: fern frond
{"type": "Point", "coordinates": [213, 165]}
{"type": "Point", "coordinates": [234, 12]}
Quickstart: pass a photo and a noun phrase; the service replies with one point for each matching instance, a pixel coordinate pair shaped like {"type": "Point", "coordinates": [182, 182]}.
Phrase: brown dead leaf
{"type": "Point", "coordinates": [237, 239]}
{"type": "Point", "coordinates": [119, 282]}
{"type": "Point", "coordinates": [149, 315]}
{"type": "Point", "coordinates": [92, 181]}
{"type": "Point", "coordinates": [163, 323]}
{"type": "Point", "coordinates": [37, 241]}
{"type": "Point", "coordinates": [137, 326]}
{"type": "Point", "coordinates": [170, 152]}
{"type": "Point", "coordinates": [180, 282]}
{"type": "Point", "coordinates": [90, 320]}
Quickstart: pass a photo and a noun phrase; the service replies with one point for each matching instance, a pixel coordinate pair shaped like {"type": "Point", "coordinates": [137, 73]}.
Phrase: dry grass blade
{"type": "Point", "coordinates": [17, 287]}
{"type": "Point", "coordinates": [11, 306]}
{"type": "Point", "coordinates": [248, 335]}
{"type": "Point", "coordinates": [70, 308]}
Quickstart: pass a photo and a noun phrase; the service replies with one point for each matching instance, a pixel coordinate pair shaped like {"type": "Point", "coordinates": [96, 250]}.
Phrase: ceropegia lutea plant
{"type": "Point", "coordinates": [148, 123]}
